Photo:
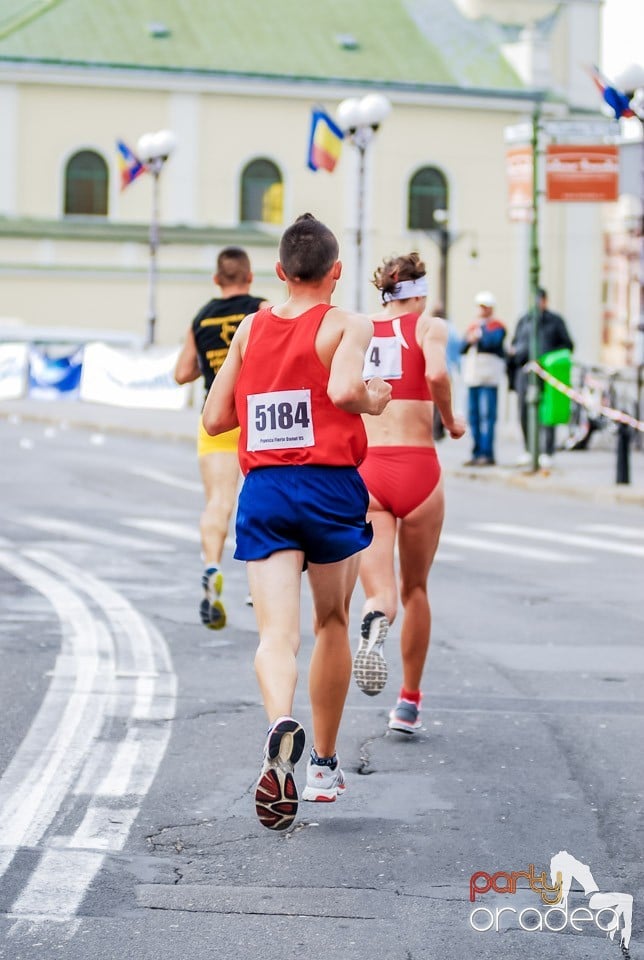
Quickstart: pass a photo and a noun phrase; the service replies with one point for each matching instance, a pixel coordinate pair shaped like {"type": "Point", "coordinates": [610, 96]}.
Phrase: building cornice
{"type": "Point", "coordinates": [117, 76]}
{"type": "Point", "coordinates": [108, 231]}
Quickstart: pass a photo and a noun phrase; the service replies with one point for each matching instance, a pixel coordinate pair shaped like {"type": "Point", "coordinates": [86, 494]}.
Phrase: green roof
{"type": "Point", "coordinates": [417, 42]}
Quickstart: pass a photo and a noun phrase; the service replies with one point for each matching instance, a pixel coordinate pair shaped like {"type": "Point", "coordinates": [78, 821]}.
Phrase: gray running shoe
{"type": "Point", "coordinates": [369, 665]}
{"type": "Point", "coordinates": [405, 717]}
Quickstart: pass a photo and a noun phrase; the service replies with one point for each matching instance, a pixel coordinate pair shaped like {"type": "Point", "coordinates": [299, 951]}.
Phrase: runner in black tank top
{"type": "Point", "coordinates": [206, 345]}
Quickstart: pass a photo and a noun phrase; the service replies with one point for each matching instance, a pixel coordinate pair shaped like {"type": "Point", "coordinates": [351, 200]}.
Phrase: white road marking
{"type": "Point", "coordinates": [34, 784]}
{"type": "Point", "coordinates": [79, 531]}
{"type": "Point", "coordinates": [571, 539]}
{"type": "Point", "coordinates": [136, 660]}
{"type": "Point", "coordinates": [628, 533]}
{"type": "Point", "coordinates": [160, 477]}
{"type": "Point", "coordinates": [494, 546]}
{"type": "Point", "coordinates": [166, 528]}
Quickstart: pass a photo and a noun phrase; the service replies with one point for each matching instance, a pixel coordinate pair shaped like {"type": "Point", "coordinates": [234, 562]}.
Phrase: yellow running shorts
{"type": "Point", "coordinates": [224, 443]}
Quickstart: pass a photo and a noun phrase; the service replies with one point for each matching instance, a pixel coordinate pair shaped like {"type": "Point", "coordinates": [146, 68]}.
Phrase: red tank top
{"type": "Point", "coordinates": [281, 399]}
{"type": "Point", "coordinates": [395, 356]}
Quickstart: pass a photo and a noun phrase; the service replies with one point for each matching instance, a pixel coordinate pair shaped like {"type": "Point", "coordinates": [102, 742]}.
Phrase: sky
{"type": "Point", "coordinates": [622, 35]}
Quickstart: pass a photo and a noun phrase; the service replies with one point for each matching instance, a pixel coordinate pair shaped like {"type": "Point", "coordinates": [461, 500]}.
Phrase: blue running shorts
{"type": "Point", "coordinates": [317, 509]}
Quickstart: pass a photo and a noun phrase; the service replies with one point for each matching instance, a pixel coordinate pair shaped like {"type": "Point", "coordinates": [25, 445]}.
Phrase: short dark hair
{"type": "Point", "coordinates": [308, 249]}
{"type": "Point", "coordinates": [233, 266]}
{"type": "Point", "coordinates": [542, 294]}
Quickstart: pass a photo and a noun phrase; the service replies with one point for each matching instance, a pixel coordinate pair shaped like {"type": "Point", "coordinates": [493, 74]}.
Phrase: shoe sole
{"type": "Point", "coordinates": [211, 609]}
{"type": "Point", "coordinates": [400, 727]}
{"type": "Point", "coordinates": [276, 798]}
{"type": "Point", "coordinates": [321, 796]}
{"type": "Point", "coordinates": [213, 615]}
{"type": "Point", "coordinates": [369, 665]}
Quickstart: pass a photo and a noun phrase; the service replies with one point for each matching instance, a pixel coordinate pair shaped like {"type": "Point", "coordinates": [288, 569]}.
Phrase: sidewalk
{"type": "Point", "coordinates": [585, 473]}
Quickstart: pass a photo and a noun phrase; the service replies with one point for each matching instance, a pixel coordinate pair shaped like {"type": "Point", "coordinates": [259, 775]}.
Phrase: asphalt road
{"type": "Point", "coordinates": [132, 737]}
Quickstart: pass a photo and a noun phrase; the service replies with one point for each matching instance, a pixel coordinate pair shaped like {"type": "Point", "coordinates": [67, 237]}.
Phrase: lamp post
{"type": "Point", "coordinates": [632, 81]}
{"type": "Point", "coordinates": [445, 238]}
{"type": "Point", "coordinates": [153, 150]}
{"type": "Point", "coordinates": [359, 120]}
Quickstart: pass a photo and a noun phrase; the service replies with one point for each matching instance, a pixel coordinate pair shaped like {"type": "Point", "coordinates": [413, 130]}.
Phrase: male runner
{"type": "Point", "coordinates": [204, 351]}
{"type": "Point", "coordinates": [293, 381]}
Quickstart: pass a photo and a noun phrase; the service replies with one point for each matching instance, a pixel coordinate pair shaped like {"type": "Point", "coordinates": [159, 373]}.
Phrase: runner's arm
{"type": "Point", "coordinates": [346, 388]}
{"type": "Point", "coordinates": [433, 342]}
{"type": "Point", "coordinates": [187, 368]}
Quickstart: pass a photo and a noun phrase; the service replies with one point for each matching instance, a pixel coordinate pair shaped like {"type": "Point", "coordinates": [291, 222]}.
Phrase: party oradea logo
{"type": "Point", "coordinates": [609, 912]}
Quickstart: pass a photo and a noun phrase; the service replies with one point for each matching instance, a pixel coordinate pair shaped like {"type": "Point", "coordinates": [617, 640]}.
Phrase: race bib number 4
{"type": "Point", "coordinates": [280, 420]}
{"type": "Point", "coordinates": [383, 359]}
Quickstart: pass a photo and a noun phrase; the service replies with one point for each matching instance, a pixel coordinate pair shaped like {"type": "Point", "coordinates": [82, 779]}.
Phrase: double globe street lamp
{"type": "Point", "coordinates": [153, 151]}
{"type": "Point", "coordinates": [359, 120]}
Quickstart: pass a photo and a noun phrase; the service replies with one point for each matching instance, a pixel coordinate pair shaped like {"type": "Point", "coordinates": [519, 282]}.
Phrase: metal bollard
{"type": "Point", "coordinates": [623, 454]}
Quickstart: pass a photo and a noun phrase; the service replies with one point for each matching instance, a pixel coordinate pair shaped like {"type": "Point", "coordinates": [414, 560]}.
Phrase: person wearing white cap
{"type": "Point", "coordinates": [483, 370]}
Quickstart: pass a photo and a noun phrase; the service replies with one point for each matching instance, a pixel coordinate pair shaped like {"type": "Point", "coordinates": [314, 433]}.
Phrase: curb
{"type": "Point", "coordinates": [545, 482]}
{"type": "Point", "coordinates": [79, 422]}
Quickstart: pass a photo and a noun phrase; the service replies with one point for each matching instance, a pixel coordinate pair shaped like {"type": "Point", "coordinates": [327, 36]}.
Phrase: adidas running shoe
{"type": "Point", "coordinates": [323, 785]}
{"type": "Point", "coordinates": [276, 798]}
{"type": "Point", "coordinates": [369, 664]}
{"type": "Point", "coordinates": [211, 610]}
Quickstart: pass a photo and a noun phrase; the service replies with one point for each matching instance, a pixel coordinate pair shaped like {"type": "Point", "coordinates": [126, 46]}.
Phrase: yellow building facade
{"type": "Point", "coordinates": [91, 270]}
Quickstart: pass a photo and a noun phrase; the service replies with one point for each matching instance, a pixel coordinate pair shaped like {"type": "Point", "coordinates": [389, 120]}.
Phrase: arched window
{"type": "Point", "coordinates": [86, 182]}
{"type": "Point", "coordinates": [427, 193]}
{"type": "Point", "coordinates": [262, 192]}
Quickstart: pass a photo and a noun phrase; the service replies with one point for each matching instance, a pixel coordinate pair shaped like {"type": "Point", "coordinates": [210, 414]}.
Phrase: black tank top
{"type": "Point", "coordinates": [214, 327]}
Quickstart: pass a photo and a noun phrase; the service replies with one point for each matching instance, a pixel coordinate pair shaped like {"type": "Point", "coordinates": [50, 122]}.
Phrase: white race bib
{"type": "Point", "coordinates": [279, 420]}
{"type": "Point", "coordinates": [383, 359]}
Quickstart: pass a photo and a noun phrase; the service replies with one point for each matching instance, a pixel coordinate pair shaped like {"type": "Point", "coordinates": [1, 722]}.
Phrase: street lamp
{"type": "Point", "coordinates": [632, 82]}
{"type": "Point", "coordinates": [153, 150]}
{"type": "Point", "coordinates": [359, 120]}
{"type": "Point", "coordinates": [445, 238]}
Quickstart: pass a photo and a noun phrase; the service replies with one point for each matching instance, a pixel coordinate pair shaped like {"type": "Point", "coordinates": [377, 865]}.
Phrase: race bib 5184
{"type": "Point", "coordinates": [279, 420]}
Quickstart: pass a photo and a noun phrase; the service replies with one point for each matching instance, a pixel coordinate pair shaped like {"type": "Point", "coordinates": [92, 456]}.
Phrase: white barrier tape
{"type": "Point", "coordinates": [617, 415]}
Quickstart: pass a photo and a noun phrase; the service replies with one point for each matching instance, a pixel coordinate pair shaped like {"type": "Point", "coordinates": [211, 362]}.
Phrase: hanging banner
{"type": "Point", "coordinates": [132, 378]}
{"type": "Point", "coordinates": [54, 374]}
{"type": "Point", "coordinates": [519, 171]}
{"type": "Point", "coordinates": [587, 174]}
{"type": "Point", "coordinates": [14, 366]}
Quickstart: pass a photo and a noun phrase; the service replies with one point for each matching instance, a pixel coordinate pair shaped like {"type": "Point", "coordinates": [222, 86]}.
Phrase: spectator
{"type": "Point", "coordinates": [483, 369]}
{"type": "Point", "coordinates": [552, 334]}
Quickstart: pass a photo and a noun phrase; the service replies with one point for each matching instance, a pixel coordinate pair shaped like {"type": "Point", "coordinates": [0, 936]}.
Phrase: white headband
{"type": "Point", "coordinates": [407, 289]}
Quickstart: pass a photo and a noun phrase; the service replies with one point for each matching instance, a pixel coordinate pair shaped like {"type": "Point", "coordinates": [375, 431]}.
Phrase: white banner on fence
{"type": "Point", "coordinates": [14, 364]}
{"type": "Point", "coordinates": [132, 378]}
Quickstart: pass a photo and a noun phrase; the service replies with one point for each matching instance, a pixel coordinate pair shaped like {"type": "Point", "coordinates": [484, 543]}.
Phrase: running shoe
{"type": "Point", "coordinates": [369, 665]}
{"type": "Point", "coordinates": [211, 610]}
{"type": "Point", "coordinates": [323, 785]}
{"type": "Point", "coordinates": [276, 794]}
{"type": "Point", "coordinates": [405, 717]}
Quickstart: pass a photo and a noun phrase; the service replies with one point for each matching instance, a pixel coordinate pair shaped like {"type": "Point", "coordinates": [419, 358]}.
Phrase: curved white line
{"type": "Point", "coordinates": [45, 765]}
{"type": "Point", "coordinates": [133, 763]}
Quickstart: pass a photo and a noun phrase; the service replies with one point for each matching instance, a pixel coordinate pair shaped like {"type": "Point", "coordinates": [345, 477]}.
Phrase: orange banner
{"type": "Point", "coordinates": [582, 173]}
{"type": "Point", "coordinates": [519, 169]}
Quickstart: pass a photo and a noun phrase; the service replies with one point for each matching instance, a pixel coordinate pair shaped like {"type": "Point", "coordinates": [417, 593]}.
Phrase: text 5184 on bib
{"type": "Point", "coordinates": [279, 420]}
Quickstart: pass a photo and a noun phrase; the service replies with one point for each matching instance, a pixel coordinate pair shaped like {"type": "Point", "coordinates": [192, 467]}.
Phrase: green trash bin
{"type": "Point", "coordinates": [554, 407]}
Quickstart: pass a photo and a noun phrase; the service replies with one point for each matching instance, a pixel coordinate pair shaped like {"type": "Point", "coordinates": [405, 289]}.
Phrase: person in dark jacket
{"type": "Point", "coordinates": [552, 334]}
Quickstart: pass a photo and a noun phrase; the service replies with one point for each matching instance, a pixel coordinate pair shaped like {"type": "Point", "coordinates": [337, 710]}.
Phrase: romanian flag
{"type": "Point", "coordinates": [129, 164]}
{"type": "Point", "coordinates": [325, 142]}
{"type": "Point", "coordinates": [618, 101]}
